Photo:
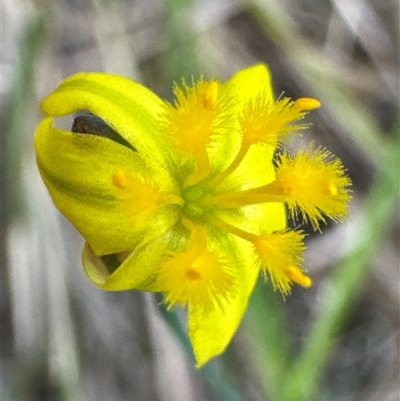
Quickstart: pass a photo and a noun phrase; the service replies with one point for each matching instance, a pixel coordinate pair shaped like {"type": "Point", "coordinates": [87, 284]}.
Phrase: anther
{"type": "Point", "coordinates": [306, 103]}
{"type": "Point", "coordinates": [119, 179]}
{"type": "Point", "coordinates": [298, 277]}
{"type": "Point", "coordinates": [211, 95]}
{"type": "Point", "coordinates": [192, 274]}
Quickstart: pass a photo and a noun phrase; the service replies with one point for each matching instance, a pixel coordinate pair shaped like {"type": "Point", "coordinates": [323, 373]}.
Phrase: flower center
{"type": "Point", "coordinates": [192, 207]}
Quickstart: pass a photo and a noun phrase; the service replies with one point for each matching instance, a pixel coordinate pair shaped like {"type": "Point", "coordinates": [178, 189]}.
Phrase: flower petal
{"type": "Point", "coordinates": [259, 170]}
{"type": "Point", "coordinates": [138, 269]}
{"type": "Point", "coordinates": [255, 170]}
{"type": "Point", "coordinates": [105, 189]}
{"type": "Point", "coordinates": [246, 84]}
{"type": "Point", "coordinates": [135, 272]}
{"type": "Point", "coordinates": [211, 332]}
{"type": "Point", "coordinates": [129, 108]}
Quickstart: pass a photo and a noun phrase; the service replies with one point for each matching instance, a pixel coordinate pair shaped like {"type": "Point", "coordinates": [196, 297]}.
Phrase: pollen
{"type": "Point", "coordinates": [263, 121]}
{"type": "Point", "coordinates": [315, 184]}
{"type": "Point", "coordinates": [140, 197]}
{"type": "Point", "coordinates": [281, 256]}
{"type": "Point", "coordinates": [197, 277]}
{"type": "Point", "coordinates": [191, 121]}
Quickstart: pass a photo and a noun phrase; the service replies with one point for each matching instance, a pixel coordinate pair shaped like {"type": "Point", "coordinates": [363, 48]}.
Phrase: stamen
{"type": "Point", "coordinates": [223, 225]}
{"type": "Point", "coordinates": [307, 103]}
{"type": "Point", "coordinates": [298, 277]}
{"type": "Point", "coordinates": [190, 121]}
{"type": "Point", "coordinates": [172, 199]}
{"type": "Point", "coordinates": [268, 123]}
{"type": "Point", "coordinates": [197, 277]}
{"type": "Point", "coordinates": [211, 95]}
{"type": "Point", "coordinates": [233, 166]}
{"type": "Point", "coordinates": [202, 169]}
{"type": "Point", "coordinates": [281, 256]}
{"type": "Point", "coordinates": [315, 184]}
{"type": "Point", "coordinates": [229, 200]}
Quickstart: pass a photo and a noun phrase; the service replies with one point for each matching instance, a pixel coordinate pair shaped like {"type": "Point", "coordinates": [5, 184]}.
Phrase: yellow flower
{"type": "Point", "coordinates": [185, 198]}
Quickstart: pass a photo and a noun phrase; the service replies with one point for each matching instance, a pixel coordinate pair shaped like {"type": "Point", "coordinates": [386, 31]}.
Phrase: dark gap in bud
{"type": "Point", "coordinates": [111, 262]}
{"type": "Point", "coordinates": [86, 122]}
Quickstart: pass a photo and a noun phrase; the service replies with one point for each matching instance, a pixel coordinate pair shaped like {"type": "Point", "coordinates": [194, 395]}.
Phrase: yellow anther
{"type": "Point", "coordinates": [192, 274]}
{"type": "Point", "coordinates": [119, 179]}
{"type": "Point", "coordinates": [211, 95]}
{"type": "Point", "coordinates": [298, 277]}
{"type": "Point", "coordinates": [307, 103]}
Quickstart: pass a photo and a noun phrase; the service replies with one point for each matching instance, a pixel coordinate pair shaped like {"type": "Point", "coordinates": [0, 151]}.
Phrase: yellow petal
{"type": "Point", "coordinates": [138, 269]}
{"type": "Point", "coordinates": [255, 170]}
{"type": "Point", "coordinates": [246, 84]}
{"type": "Point", "coordinates": [135, 272]}
{"type": "Point", "coordinates": [259, 170]}
{"type": "Point", "coordinates": [129, 108]}
{"type": "Point", "coordinates": [94, 182]}
{"type": "Point", "coordinates": [249, 84]}
{"type": "Point", "coordinates": [211, 332]}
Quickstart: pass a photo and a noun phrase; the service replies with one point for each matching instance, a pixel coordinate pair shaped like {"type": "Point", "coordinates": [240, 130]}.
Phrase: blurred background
{"type": "Point", "coordinates": [63, 339]}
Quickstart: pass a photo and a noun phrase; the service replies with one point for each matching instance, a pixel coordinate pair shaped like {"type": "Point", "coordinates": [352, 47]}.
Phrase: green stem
{"type": "Point", "coordinates": [214, 374]}
{"type": "Point", "coordinates": [16, 114]}
{"type": "Point", "coordinates": [266, 328]}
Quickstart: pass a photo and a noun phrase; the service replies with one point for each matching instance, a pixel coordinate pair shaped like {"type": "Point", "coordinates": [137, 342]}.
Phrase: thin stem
{"type": "Point", "coordinates": [202, 169]}
{"type": "Point", "coordinates": [233, 166]}
{"type": "Point", "coordinates": [228, 200]}
{"type": "Point", "coordinates": [223, 225]}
